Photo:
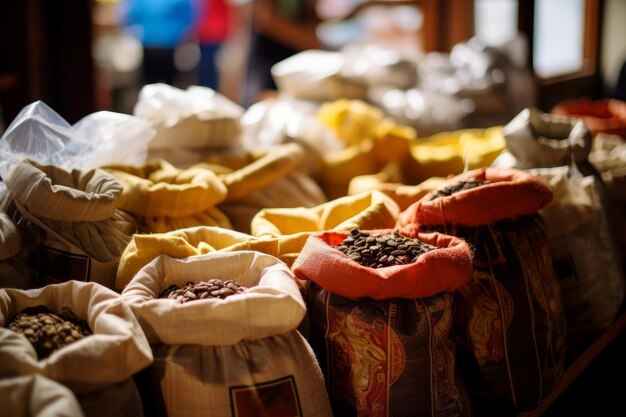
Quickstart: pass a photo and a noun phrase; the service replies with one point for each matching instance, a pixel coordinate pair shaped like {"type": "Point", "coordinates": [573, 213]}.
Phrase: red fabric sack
{"type": "Point", "coordinates": [601, 116]}
{"type": "Point", "coordinates": [511, 193]}
{"type": "Point", "coordinates": [443, 269]}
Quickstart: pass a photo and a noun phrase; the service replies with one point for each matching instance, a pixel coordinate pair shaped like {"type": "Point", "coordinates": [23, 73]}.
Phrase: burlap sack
{"type": "Point", "coordinates": [238, 356]}
{"type": "Point", "coordinates": [18, 244]}
{"type": "Point", "coordinates": [509, 318]}
{"type": "Point", "coordinates": [540, 140]}
{"type": "Point", "coordinates": [14, 273]}
{"type": "Point", "coordinates": [10, 237]}
{"type": "Point", "coordinates": [591, 286]}
{"type": "Point", "coordinates": [105, 360]}
{"type": "Point", "coordinates": [378, 352]}
{"type": "Point", "coordinates": [82, 234]}
{"type": "Point", "coordinates": [37, 396]}
{"type": "Point", "coordinates": [164, 198]}
{"type": "Point", "coordinates": [609, 157]}
{"type": "Point", "coordinates": [182, 243]}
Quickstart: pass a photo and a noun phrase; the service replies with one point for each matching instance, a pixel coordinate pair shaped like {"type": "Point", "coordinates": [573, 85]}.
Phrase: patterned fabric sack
{"type": "Point", "coordinates": [542, 140]}
{"type": "Point", "coordinates": [164, 198]}
{"type": "Point", "coordinates": [80, 232]}
{"type": "Point", "coordinates": [37, 396]}
{"type": "Point", "coordinates": [240, 355]}
{"type": "Point", "coordinates": [182, 243]}
{"type": "Point", "coordinates": [384, 334]}
{"type": "Point", "coordinates": [98, 368]}
{"type": "Point", "coordinates": [509, 318]}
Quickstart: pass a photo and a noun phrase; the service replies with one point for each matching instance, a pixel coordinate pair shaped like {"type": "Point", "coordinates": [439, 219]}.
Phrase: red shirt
{"type": "Point", "coordinates": [213, 22]}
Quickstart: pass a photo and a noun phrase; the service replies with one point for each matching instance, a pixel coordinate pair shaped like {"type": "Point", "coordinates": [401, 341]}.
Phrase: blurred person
{"type": "Point", "coordinates": [213, 27]}
{"type": "Point", "coordinates": [160, 26]}
{"type": "Point", "coordinates": [280, 29]}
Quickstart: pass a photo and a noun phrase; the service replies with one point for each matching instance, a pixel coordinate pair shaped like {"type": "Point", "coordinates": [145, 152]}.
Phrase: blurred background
{"type": "Point", "coordinates": [81, 56]}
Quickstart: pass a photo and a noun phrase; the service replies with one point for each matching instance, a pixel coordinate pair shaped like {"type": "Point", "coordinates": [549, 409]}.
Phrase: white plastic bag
{"type": "Point", "coordinates": [101, 138]}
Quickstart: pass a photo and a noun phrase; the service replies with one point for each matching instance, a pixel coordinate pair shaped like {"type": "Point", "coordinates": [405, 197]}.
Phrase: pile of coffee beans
{"type": "Point", "coordinates": [383, 250]}
{"type": "Point", "coordinates": [48, 331]}
{"type": "Point", "coordinates": [459, 186]}
{"type": "Point", "coordinates": [213, 288]}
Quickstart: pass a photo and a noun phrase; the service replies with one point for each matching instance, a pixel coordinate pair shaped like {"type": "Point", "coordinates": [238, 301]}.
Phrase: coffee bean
{"type": "Point", "coordinates": [383, 250]}
{"type": "Point", "coordinates": [213, 288]}
{"type": "Point", "coordinates": [48, 331]}
{"type": "Point", "coordinates": [460, 186]}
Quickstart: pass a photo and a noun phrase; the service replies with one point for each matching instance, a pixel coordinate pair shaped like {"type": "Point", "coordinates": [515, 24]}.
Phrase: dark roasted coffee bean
{"type": "Point", "coordinates": [455, 188]}
{"type": "Point", "coordinates": [213, 288]}
{"type": "Point", "coordinates": [381, 251]}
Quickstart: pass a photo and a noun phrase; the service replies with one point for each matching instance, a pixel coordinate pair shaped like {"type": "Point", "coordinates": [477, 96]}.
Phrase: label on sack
{"type": "Point", "coordinates": [278, 398]}
{"type": "Point", "coordinates": [55, 266]}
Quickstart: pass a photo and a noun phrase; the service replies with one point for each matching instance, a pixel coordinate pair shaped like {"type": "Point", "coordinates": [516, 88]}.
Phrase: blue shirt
{"type": "Point", "coordinates": [160, 23]}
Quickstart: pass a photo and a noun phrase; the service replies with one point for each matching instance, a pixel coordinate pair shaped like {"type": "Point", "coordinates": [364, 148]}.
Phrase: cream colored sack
{"type": "Point", "coordinates": [84, 233]}
{"type": "Point", "coordinates": [105, 360]}
{"type": "Point", "coordinates": [37, 396]}
{"type": "Point", "coordinates": [238, 356]}
{"type": "Point", "coordinates": [592, 287]}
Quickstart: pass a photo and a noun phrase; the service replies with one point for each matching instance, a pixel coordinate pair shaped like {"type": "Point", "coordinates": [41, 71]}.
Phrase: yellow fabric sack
{"type": "Point", "coordinates": [369, 210]}
{"type": "Point", "coordinates": [143, 248]}
{"type": "Point", "coordinates": [276, 163]}
{"type": "Point", "coordinates": [272, 178]}
{"type": "Point", "coordinates": [165, 198]}
{"type": "Point", "coordinates": [450, 153]}
{"type": "Point", "coordinates": [404, 195]}
{"type": "Point", "coordinates": [343, 165]}
{"type": "Point", "coordinates": [351, 120]}
{"type": "Point", "coordinates": [371, 141]}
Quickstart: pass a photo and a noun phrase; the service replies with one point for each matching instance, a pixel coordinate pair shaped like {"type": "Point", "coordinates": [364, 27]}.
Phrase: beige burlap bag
{"type": "Point", "coordinates": [83, 234]}
{"type": "Point", "coordinates": [13, 273]}
{"type": "Point", "coordinates": [37, 396]}
{"type": "Point", "coordinates": [98, 368]}
{"type": "Point", "coordinates": [241, 355]}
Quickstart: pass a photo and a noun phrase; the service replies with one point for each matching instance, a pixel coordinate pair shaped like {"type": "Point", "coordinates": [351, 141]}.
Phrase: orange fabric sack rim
{"type": "Point", "coordinates": [600, 116]}
{"type": "Point", "coordinates": [510, 193]}
{"type": "Point", "coordinates": [442, 269]}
